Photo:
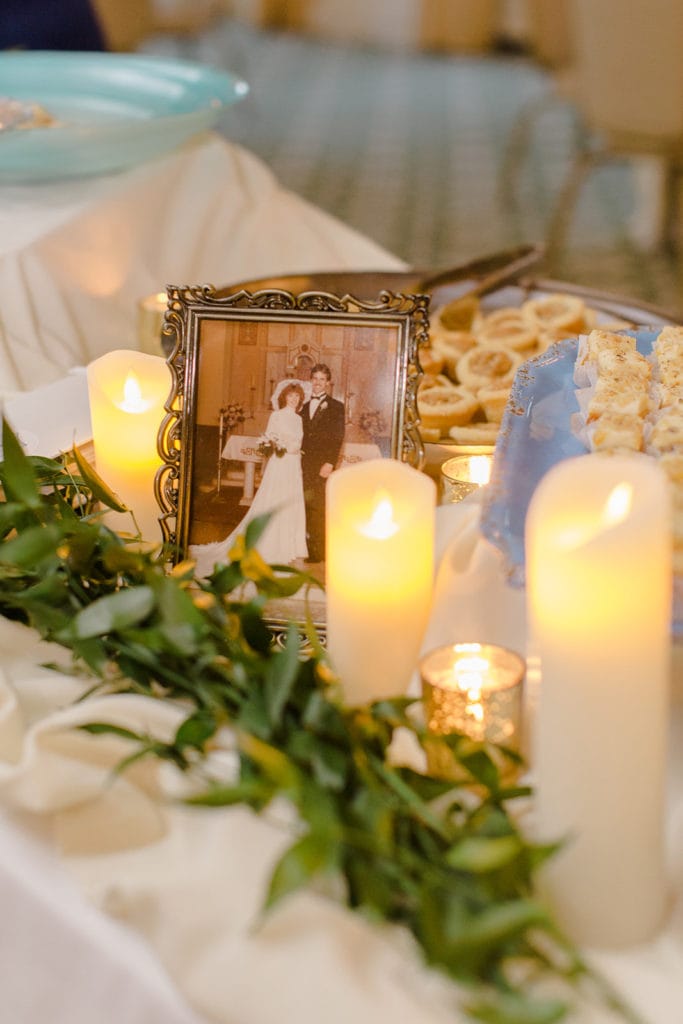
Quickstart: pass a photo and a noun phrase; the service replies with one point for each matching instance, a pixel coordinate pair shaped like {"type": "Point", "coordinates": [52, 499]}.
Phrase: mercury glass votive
{"type": "Point", "coordinates": [475, 690]}
{"type": "Point", "coordinates": [462, 475]}
{"type": "Point", "coordinates": [151, 312]}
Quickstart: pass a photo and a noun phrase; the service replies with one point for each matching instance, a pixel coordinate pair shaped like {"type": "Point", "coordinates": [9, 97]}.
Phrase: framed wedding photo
{"type": "Point", "coordinates": [272, 392]}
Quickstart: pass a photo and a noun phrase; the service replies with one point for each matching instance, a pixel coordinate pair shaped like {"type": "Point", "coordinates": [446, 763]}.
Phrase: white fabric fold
{"type": "Point", "coordinates": [181, 888]}
{"type": "Point", "coordinates": [76, 258]}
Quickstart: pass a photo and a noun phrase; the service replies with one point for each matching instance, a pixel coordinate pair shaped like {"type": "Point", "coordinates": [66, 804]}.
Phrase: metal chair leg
{"type": "Point", "coordinates": [518, 145]}
{"type": "Point", "coordinates": [556, 235]}
{"type": "Point", "coordinates": [670, 220]}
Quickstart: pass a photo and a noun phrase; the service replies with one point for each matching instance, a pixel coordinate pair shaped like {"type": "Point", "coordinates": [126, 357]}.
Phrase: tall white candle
{"type": "Point", "coordinates": [598, 543]}
{"type": "Point", "coordinates": [380, 551]}
{"type": "Point", "coordinates": [127, 392]}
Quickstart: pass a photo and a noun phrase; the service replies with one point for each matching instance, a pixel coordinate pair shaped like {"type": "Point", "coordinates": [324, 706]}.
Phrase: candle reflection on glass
{"type": "Point", "coordinates": [464, 474]}
{"type": "Point", "coordinates": [151, 312]}
{"type": "Point", "coordinates": [380, 550]}
{"type": "Point", "coordinates": [473, 689]}
{"type": "Point", "coordinates": [127, 392]}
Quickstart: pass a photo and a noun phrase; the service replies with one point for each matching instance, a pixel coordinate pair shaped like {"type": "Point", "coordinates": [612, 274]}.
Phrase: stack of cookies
{"type": "Point", "coordinates": [472, 358]}
{"type": "Point", "coordinates": [632, 402]}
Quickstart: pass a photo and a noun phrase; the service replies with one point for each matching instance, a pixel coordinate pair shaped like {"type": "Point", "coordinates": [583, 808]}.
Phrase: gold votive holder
{"type": "Point", "coordinates": [151, 312]}
{"type": "Point", "coordinates": [462, 475]}
{"type": "Point", "coordinates": [475, 690]}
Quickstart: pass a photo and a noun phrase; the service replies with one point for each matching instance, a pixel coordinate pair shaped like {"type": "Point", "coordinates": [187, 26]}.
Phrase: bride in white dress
{"type": "Point", "coordinates": [281, 492]}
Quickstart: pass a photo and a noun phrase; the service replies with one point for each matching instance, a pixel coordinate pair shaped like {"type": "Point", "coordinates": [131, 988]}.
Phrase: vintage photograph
{"type": "Point", "coordinates": [274, 403]}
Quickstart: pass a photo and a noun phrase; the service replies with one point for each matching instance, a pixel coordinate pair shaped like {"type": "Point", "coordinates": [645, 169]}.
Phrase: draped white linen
{"type": "Point", "coordinates": [184, 886]}
{"type": "Point", "coordinates": [77, 256]}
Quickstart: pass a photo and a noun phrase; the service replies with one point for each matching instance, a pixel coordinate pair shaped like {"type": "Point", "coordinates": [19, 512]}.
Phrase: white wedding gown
{"type": "Point", "coordinates": [281, 492]}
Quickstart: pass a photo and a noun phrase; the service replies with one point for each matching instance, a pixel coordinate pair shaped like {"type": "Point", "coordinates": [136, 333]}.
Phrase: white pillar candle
{"type": "Point", "coordinates": [127, 392]}
{"type": "Point", "coordinates": [598, 569]}
{"type": "Point", "coordinates": [380, 551]}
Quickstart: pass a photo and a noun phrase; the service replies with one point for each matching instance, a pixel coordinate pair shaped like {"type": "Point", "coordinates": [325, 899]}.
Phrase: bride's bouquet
{"type": "Point", "coordinates": [268, 446]}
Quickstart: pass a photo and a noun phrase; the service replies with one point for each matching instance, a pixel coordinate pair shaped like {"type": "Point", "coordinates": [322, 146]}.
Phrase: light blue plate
{"type": "Point", "coordinates": [114, 111]}
{"type": "Point", "coordinates": [536, 433]}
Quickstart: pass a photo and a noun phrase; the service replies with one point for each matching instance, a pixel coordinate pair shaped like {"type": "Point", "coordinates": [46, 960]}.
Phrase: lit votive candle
{"type": "Point", "coordinates": [380, 552]}
{"type": "Point", "coordinates": [127, 392]}
{"type": "Point", "coordinates": [464, 474]}
{"type": "Point", "coordinates": [473, 689]}
{"type": "Point", "coordinates": [151, 312]}
{"type": "Point", "coordinates": [599, 579]}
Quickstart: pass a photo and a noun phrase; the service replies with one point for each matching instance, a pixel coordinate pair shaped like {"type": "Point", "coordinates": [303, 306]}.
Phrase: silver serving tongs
{"type": "Point", "coordinates": [491, 272]}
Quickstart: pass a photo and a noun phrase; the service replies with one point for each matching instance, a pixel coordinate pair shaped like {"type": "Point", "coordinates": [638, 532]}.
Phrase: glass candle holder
{"type": "Point", "coordinates": [475, 690]}
{"type": "Point", "coordinates": [462, 475]}
{"type": "Point", "coordinates": [151, 312]}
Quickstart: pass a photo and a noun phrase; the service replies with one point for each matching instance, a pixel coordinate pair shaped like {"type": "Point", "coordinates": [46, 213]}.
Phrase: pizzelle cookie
{"type": "Point", "coordinates": [461, 328]}
{"type": "Point", "coordinates": [633, 403]}
{"type": "Point", "coordinates": [488, 366]}
{"type": "Point", "coordinates": [508, 327]}
{"type": "Point", "coordinates": [446, 407]}
{"type": "Point", "coordinates": [557, 312]}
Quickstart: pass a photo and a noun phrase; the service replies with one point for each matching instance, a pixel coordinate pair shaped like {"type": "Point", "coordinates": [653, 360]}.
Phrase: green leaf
{"type": "Point", "coordinates": [17, 472]}
{"type": "Point", "coordinates": [273, 763]}
{"type": "Point", "coordinates": [481, 854]}
{"type": "Point", "coordinates": [256, 632]}
{"type": "Point", "coordinates": [330, 766]}
{"type": "Point", "coordinates": [226, 578]}
{"type": "Point", "coordinates": [425, 786]}
{"type": "Point", "coordinates": [113, 612]}
{"type": "Point", "coordinates": [11, 515]}
{"type": "Point", "coordinates": [255, 792]}
{"type": "Point", "coordinates": [310, 856]}
{"type": "Point", "coordinates": [281, 675]}
{"type": "Point", "coordinates": [32, 546]}
{"type": "Point", "coordinates": [100, 490]}
{"type": "Point", "coordinates": [106, 728]}
{"type": "Point", "coordinates": [481, 766]}
{"type": "Point", "coordinates": [514, 1008]}
{"type": "Point", "coordinates": [255, 529]}
{"type": "Point", "coordinates": [322, 716]}
{"type": "Point", "coordinates": [496, 924]}
{"type": "Point", "coordinates": [195, 730]}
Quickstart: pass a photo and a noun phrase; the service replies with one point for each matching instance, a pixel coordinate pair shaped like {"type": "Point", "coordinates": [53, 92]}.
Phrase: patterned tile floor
{"type": "Point", "coordinates": [408, 149]}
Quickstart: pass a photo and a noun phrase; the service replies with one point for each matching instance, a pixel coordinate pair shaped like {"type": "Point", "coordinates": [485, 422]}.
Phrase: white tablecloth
{"type": "Point", "coordinates": [244, 448]}
{"type": "Point", "coordinates": [188, 882]}
{"type": "Point", "coordinates": [77, 256]}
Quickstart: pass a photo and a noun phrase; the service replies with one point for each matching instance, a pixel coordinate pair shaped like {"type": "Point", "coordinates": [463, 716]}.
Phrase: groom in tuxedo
{"type": "Point", "coordinates": [323, 420]}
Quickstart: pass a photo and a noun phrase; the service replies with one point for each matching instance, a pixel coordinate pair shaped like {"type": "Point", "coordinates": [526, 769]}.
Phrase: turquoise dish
{"type": "Point", "coordinates": [111, 111]}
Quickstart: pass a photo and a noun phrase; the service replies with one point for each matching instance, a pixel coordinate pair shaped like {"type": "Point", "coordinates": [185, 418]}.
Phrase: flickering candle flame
{"type": "Point", "coordinates": [615, 510]}
{"type": "Point", "coordinates": [468, 675]}
{"type": "Point", "coordinates": [480, 469]}
{"type": "Point", "coordinates": [468, 672]}
{"type": "Point", "coordinates": [618, 504]}
{"type": "Point", "coordinates": [132, 395]}
{"type": "Point", "coordinates": [381, 524]}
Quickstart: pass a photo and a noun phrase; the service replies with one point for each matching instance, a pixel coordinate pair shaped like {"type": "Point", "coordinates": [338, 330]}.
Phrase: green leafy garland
{"type": "Point", "coordinates": [445, 859]}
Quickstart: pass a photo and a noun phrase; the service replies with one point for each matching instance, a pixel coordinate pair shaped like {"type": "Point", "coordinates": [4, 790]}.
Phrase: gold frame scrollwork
{"type": "Point", "coordinates": [190, 307]}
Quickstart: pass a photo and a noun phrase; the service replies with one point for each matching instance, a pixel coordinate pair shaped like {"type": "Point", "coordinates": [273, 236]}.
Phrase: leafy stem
{"type": "Point", "coordinates": [444, 858]}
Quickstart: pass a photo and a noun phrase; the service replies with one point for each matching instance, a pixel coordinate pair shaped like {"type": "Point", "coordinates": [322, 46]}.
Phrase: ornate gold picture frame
{"type": "Point", "coordinates": [244, 369]}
